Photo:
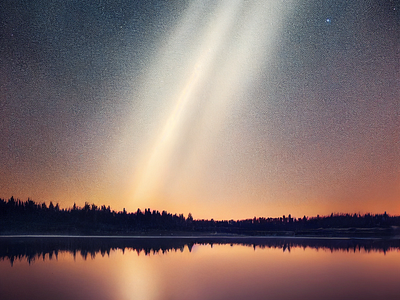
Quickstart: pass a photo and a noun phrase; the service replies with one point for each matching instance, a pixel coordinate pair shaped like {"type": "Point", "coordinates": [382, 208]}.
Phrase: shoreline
{"type": "Point", "coordinates": [197, 237]}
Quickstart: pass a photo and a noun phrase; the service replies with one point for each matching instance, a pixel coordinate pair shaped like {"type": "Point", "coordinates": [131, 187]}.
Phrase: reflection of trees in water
{"type": "Point", "coordinates": [33, 248]}
{"type": "Point", "coordinates": [326, 244]}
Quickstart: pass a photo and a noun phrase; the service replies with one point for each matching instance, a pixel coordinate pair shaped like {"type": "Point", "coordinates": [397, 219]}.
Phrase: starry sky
{"type": "Point", "coordinates": [225, 109]}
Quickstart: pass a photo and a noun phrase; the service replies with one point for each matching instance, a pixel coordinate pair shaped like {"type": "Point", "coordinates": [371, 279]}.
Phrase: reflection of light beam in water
{"type": "Point", "coordinates": [230, 47]}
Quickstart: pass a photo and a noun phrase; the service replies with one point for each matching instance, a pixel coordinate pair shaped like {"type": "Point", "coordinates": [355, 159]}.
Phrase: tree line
{"type": "Point", "coordinates": [29, 217]}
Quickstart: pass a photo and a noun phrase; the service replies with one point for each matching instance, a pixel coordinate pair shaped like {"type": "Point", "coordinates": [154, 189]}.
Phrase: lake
{"type": "Point", "coordinates": [162, 268]}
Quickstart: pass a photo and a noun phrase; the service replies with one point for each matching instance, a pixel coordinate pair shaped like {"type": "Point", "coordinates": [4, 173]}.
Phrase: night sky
{"type": "Point", "coordinates": [225, 109]}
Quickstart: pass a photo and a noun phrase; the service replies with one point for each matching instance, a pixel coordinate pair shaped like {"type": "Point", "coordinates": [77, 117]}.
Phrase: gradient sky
{"type": "Point", "coordinates": [225, 109]}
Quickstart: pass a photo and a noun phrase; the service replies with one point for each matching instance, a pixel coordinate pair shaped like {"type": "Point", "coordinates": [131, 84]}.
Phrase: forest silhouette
{"type": "Point", "coordinates": [29, 217]}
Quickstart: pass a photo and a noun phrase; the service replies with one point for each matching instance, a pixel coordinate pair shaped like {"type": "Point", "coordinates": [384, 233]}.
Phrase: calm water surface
{"type": "Point", "coordinates": [62, 268]}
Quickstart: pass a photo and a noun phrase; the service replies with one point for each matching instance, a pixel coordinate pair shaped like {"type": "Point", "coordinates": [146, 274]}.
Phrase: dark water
{"type": "Point", "coordinates": [198, 268]}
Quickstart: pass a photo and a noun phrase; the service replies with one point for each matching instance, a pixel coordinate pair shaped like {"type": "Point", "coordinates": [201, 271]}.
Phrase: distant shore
{"type": "Point", "coordinates": [30, 218]}
{"type": "Point", "coordinates": [336, 233]}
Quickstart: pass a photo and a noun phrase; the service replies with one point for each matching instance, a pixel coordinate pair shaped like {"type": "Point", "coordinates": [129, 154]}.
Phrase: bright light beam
{"type": "Point", "coordinates": [229, 42]}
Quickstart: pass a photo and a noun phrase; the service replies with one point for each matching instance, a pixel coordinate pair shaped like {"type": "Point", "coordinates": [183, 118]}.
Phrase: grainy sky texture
{"type": "Point", "coordinates": [225, 109]}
